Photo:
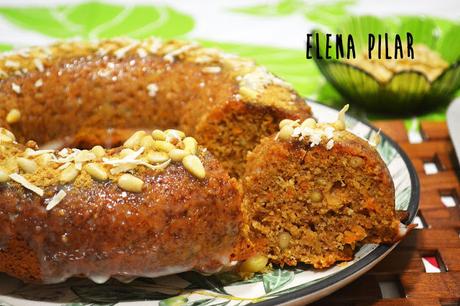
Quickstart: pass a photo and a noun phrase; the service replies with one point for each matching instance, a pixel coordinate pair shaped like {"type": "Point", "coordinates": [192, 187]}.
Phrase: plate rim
{"type": "Point", "coordinates": [375, 254]}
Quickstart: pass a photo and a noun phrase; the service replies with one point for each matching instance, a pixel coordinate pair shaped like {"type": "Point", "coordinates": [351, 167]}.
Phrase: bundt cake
{"type": "Point", "coordinates": [154, 202]}
{"type": "Point", "coordinates": [158, 205]}
{"type": "Point", "coordinates": [82, 93]}
{"type": "Point", "coordinates": [313, 192]}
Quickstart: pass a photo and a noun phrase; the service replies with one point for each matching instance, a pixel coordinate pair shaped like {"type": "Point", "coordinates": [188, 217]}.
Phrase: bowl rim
{"type": "Point", "coordinates": [374, 254]}
{"type": "Point", "coordinates": [326, 61]}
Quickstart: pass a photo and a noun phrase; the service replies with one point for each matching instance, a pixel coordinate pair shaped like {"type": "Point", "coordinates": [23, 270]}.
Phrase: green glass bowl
{"type": "Point", "coordinates": [408, 91]}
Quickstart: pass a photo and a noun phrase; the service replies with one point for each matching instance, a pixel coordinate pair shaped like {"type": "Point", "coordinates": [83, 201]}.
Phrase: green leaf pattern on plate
{"type": "Point", "coordinates": [92, 20]}
{"type": "Point", "coordinates": [276, 279]}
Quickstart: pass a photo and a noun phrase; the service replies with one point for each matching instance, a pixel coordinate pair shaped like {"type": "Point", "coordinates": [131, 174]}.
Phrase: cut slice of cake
{"type": "Point", "coordinates": [314, 192]}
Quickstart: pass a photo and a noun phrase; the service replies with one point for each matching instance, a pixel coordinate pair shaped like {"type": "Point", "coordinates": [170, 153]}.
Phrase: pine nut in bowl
{"type": "Point", "coordinates": [400, 85]}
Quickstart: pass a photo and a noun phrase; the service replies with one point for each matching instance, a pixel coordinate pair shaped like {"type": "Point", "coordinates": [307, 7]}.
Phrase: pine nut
{"type": "Point", "coordinates": [356, 162]}
{"type": "Point", "coordinates": [130, 183]}
{"type": "Point", "coordinates": [284, 239]}
{"type": "Point", "coordinates": [4, 177]}
{"type": "Point", "coordinates": [96, 171]}
{"type": "Point", "coordinates": [6, 136]}
{"type": "Point", "coordinates": [286, 132]}
{"type": "Point", "coordinates": [178, 154]}
{"type": "Point", "coordinates": [147, 142]}
{"type": "Point", "coordinates": [310, 123]}
{"type": "Point", "coordinates": [44, 159]}
{"type": "Point", "coordinates": [163, 146]}
{"type": "Point", "coordinates": [175, 133]}
{"type": "Point", "coordinates": [98, 151]}
{"type": "Point", "coordinates": [316, 196]}
{"type": "Point", "coordinates": [126, 152]}
{"type": "Point", "coordinates": [157, 157]}
{"type": "Point", "coordinates": [13, 116]}
{"type": "Point", "coordinates": [68, 175]}
{"type": "Point", "coordinates": [158, 135]}
{"type": "Point", "coordinates": [248, 93]}
{"type": "Point", "coordinates": [135, 140]}
{"type": "Point", "coordinates": [84, 156]}
{"type": "Point", "coordinates": [254, 264]}
{"type": "Point", "coordinates": [27, 165]}
{"type": "Point", "coordinates": [190, 145]}
{"type": "Point", "coordinates": [285, 122]}
{"type": "Point", "coordinates": [193, 164]}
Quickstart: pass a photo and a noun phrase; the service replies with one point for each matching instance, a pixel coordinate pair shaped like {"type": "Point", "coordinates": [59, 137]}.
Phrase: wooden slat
{"type": "Point", "coordinates": [393, 128]}
{"type": "Point", "coordinates": [434, 130]}
{"type": "Point", "coordinates": [440, 238]}
{"type": "Point", "coordinates": [431, 239]}
{"type": "Point", "coordinates": [427, 150]}
{"type": "Point", "coordinates": [432, 285]}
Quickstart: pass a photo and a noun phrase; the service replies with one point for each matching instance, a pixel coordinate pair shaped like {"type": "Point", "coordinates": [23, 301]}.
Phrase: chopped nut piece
{"type": "Point", "coordinates": [130, 183]}
{"type": "Point", "coordinates": [193, 164]}
{"type": "Point", "coordinates": [96, 171]}
{"type": "Point", "coordinates": [68, 175]}
{"type": "Point", "coordinates": [13, 116]}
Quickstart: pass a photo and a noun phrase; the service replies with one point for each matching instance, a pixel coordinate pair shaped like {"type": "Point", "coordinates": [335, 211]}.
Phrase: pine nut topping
{"type": "Point", "coordinates": [13, 116]}
{"type": "Point", "coordinates": [163, 146]}
{"type": "Point", "coordinates": [157, 157]}
{"type": "Point", "coordinates": [130, 183]}
{"type": "Point", "coordinates": [68, 175]}
{"type": "Point", "coordinates": [4, 177]}
{"type": "Point", "coordinates": [190, 145]}
{"type": "Point", "coordinates": [98, 151]}
{"type": "Point", "coordinates": [158, 135]}
{"type": "Point", "coordinates": [193, 164]}
{"type": "Point", "coordinates": [96, 171]}
{"type": "Point", "coordinates": [284, 239]}
{"type": "Point", "coordinates": [286, 132]}
{"type": "Point", "coordinates": [147, 142]}
{"type": "Point", "coordinates": [6, 136]}
{"type": "Point", "coordinates": [178, 154]}
{"type": "Point", "coordinates": [135, 140]}
{"type": "Point", "coordinates": [27, 165]}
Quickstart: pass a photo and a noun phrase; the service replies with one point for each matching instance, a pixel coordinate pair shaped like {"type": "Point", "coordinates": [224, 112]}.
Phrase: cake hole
{"type": "Point", "coordinates": [433, 263]}
{"type": "Point", "coordinates": [390, 287]}
{"type": "Point", "coordinates": [449, 198]}
{"type": "Point", "coordinates": [420, 221]}
{"type": "Point", "coordinates": [430, 167]}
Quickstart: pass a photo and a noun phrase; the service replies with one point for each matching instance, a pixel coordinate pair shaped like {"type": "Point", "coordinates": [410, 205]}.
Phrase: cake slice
{"type": "Point", "coordinates": [314, 192]}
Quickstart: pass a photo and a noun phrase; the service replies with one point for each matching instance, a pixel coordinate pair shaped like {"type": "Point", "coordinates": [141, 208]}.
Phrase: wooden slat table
{"type": "Point", "coordinates": [403, 268]}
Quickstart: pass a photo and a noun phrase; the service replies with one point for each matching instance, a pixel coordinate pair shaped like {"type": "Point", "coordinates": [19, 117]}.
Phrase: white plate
{"type": "Point", "coordinates": [294, 286]}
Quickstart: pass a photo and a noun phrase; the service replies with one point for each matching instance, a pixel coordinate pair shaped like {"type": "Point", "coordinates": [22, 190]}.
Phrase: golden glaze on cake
{"type": "Point", "coordinates": [75, 91]}
{"type": "Point", "coordinates": [158, 205]}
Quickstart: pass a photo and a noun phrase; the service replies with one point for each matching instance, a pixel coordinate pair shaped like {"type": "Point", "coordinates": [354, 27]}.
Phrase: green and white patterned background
{"type": "Point", "coordinates": [271, 32]}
